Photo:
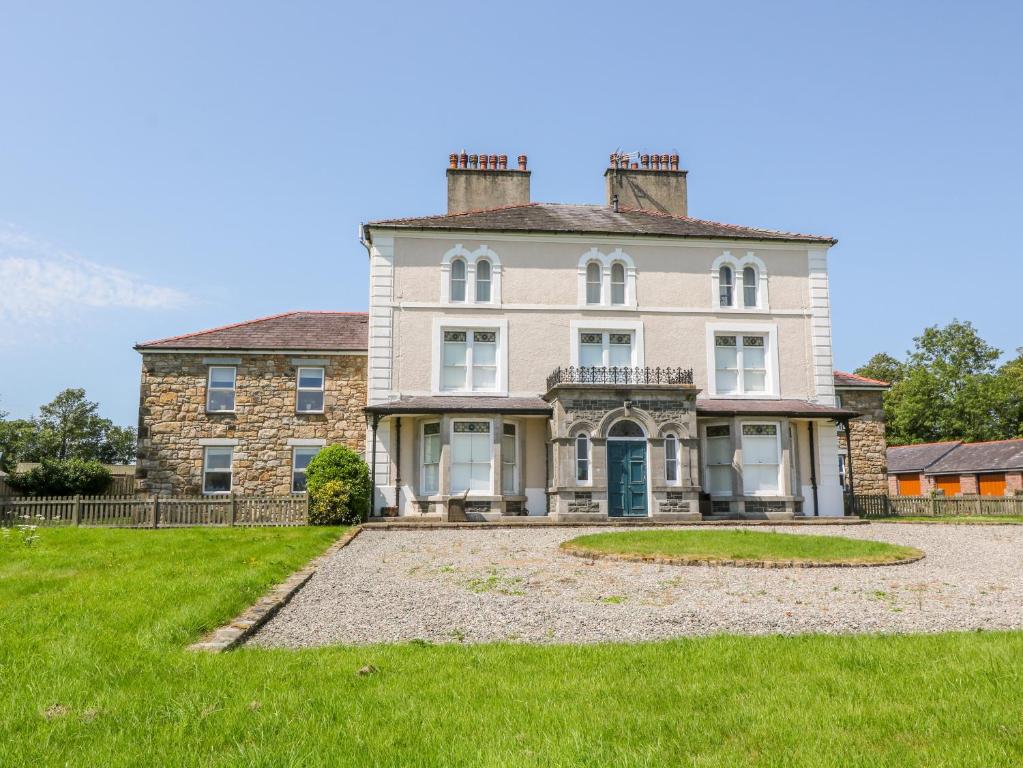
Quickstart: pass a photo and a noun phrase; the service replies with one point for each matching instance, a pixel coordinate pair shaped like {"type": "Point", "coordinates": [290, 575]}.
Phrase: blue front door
{"type": "Point", "coordinates": [626, 478]}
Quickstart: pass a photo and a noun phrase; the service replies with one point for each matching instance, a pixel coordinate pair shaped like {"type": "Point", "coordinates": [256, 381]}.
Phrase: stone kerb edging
{"type": "Point", "coordinates": [681, 560]}
{"type": "Point", "coordinates": [242, 627]}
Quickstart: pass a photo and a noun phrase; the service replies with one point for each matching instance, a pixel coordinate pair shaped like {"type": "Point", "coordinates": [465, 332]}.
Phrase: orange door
{"type": "Point", "coordinates": [991, 485]}
{"type": "Point", "coordinates": [947, 483]}
{"type": "Point", "coordinates": [909, 485]}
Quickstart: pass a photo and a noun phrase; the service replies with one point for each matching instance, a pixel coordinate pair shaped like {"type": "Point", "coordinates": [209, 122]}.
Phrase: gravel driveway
{"type": "Point", "coordinates": [460, 585]}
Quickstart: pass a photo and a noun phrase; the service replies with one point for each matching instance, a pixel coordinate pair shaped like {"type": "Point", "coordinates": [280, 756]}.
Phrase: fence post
{"type": "Point", "coordinates": [232, 510]}
{"type": "Point", "coordinates": [154, 511]}
{"type": "Point", "coordinates": [76, 511]}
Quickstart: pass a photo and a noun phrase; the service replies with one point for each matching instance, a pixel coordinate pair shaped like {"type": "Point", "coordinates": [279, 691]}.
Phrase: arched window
{"type": "Point", "coordinates": [458, 280]}
{"type": "Point", "coordinates": [483, 281]}
{"type": "Point", "coordinates": [582, 458]}
{"type": "Point", "coordinates": [727, 286]}
{"type": "Point", "coordinates": [749, 287]}
{"type": "Point", "coordinates": [671, 458]}
{"type": "Point", "coordinates": [617, 283]}
{"type": "Point", "coordinates": [626, 428]}
{"type": "Point", "coordinates": [593, 283]}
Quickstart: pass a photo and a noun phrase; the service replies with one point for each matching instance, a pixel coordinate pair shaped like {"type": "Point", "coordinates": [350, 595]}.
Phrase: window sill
{"type": "Point", "coordinates": [310, 413]}
{"type": "Point", "coordinates": [220, 413]}
{"type": "Point", "coordinates": [471, 393]}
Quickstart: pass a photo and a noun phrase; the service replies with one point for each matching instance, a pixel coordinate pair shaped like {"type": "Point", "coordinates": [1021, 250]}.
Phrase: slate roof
{"type": "Point", "coordinates": [980, 457]}
{"type": "Point", "coordinates": [917, 458]}
{"type": "Point", "coordinates": [592, 219]}
{"type": "Point", "coordinates": [293, 331]}
{"type": "Point", "coordinates": [797, 408]}
{"type": "Point", "coordinates": [445, 404]}
{"type": "Point", "coordinates": [843, 379]}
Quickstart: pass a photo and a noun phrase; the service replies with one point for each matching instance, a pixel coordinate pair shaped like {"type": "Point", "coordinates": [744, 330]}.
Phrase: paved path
{"type": "Point", "coordinates": [514, 585]}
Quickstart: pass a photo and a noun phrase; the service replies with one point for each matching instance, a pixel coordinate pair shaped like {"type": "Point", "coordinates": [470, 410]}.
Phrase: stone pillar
{"type": "Point", "coordinates": [496, 471]}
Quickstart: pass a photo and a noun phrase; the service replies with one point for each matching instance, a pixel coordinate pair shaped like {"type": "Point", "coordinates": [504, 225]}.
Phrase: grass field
{"type": "Point", "coordinates": [93, 673]}
{"type": "Point", "coordinates": [741, 546]}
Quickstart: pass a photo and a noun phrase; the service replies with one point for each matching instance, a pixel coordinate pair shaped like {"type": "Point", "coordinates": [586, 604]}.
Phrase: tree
{"type": "Point", "coordinates": [949, 388]}
{"type": "Point", "coordinates": [17, 440]}
{"type": "Point", "coordinates": [118, 446]}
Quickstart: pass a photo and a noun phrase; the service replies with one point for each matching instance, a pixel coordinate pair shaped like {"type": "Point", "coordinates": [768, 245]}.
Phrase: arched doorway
{"type": "Point", "coordinates": [626, 470]}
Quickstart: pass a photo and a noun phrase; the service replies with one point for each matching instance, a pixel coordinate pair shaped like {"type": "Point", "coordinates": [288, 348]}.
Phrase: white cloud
{"type": "Point", "coordinates": [40, 282]}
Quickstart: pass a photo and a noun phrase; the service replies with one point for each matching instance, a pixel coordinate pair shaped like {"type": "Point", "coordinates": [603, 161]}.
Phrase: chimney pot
{"type": "Point", "coordinates": [631, 185]}
{"type": "Point", "coordinates": [453, 160]}
{"type": "Point", "coordinates": [645, 160]}
{"type": "Point", "coordinates": [664, 162]}
{"type": "Point", "coordinates": [614, 160]}
{"type": "Point", "coordinates": [483, 162]}
{"type": "Point", "coordinates": [474, 161]}
{"type": "Point", "coordinates": [463, 160]}
{"type": "Point", "coordinates": [493, 161]}
{"type": "Point", "coordinates": [497, 187]}
{"type": "Point", "coordinates": [674, 162]}
{"type": "Point", "coordinates": [522, 162]}
{"type": "Point", "coordinates": [502, 162]}
{"type": "Point", "coordinates": [635, 166]}
{"type": "Point", "coordinates": [656, 161]}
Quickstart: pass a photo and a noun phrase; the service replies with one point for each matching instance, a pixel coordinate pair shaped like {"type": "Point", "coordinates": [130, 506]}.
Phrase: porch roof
{"type": "Point", "coordinates": [796, 408]}
{"type": "Point", "coordinates": [523, 406]}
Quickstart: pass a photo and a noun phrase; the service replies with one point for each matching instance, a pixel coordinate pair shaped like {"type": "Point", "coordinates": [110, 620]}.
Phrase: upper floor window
{"type": "Point", "coordinates": [310, 390]}
{"type": "Point", "coordinates": [593, 283]}
{"type": "Point", "coordinates": [220, 389]}
{"type": "Point", "coordinates": [749, 287]}
{"type": "Point", "coordinates": [458, 280]}
{"type": "Point", "coordinates": [483, 281]}
{"type": "Point", "coordinates": [726, 286]}
{"type": "Point", "coordinates": [470, 277]}
{"type": "Point", "coordinates": [617, 283]}
{"type": "Point", "coordinates": [217, 468]}
{"type": "Point", "coordinates": [469, 360]}
{"type": "Point", "coordinates": [606, 349]}
{"type": "Point", "coordinates": [740, 364]}
{"type": "Point", "coordinates": [739, 283]}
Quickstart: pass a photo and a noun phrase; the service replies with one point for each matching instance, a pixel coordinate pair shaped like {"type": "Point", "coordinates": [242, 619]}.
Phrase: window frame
{"type": "Point", "coordinates": [728, 286]}
{"type": "Point", "coordinates": [515, 484]}
{"type": "Point", "coordinates": [489, 491]}
{"type": "Point", "coordinates": [424, 489]}
{"type": "Point", "coordinates": [470, 325]}
{"type": "Point", "coordinates": [604, 284]}
{"type": "Point", "coordinates": [672, 439]}
{"type": "Point", "coordinates": [770, 333]}
{"type": "Point", "coordinates": [299, 389]}
{"type": "Point", "coordinates": [623, 284]}
{"type": "Point", "coordinates": [778, 453]}
{"type": "Point", "coordinates": [730, 464]}
{"type": "Point", "coordinates": [585, 461]}
{"type": "Point", "coordinates": [233, 389]}
{"type": "Point", "coordinates": [597, 284]}
{"type": "Point", "coordinates": [470, 264]}
{"type": "Point", "coordinates": [207, 449]}
{"type": "Point", "coordinates": [737, 267]}
{"type": "Point", "coordinates": [477, 280]}
{"type": "Point", "coordinates": [579, 327]}
{"type": "Point", "coordinates": [453, 279]}
{"type": "Point", "coordinates": [754, 286]}
{"type": "Point", "coordinates": [295, 472]}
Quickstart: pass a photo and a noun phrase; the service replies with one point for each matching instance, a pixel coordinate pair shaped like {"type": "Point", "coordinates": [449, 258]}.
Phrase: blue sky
{"type": "Point", "coordinates": [166, 167]}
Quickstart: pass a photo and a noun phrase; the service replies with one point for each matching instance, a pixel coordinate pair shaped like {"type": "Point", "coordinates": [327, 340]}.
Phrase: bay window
{"type": "Point", "coordinates": [761, 459]}
{"type": "Point", "coordinates": [471, 456]}
{"type": "Point", "coordinates": [430, 475]}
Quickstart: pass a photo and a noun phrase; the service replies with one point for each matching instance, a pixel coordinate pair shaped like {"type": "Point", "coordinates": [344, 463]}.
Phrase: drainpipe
{"type": "Point", "coordinates": [813, 471]}
{"type": "Point", "coordinates": [397, 465]}
{"type": "Point", "coordinates": [849, 466]}
{"type": "Point", "coordinates": [373, 467]}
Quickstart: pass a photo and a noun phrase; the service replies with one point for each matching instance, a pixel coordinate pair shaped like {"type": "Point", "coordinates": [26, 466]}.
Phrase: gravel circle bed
{"type": "Point", "coordinates": [515, 585]}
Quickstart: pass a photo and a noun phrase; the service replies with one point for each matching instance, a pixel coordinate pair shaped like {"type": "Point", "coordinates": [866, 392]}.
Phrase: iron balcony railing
{"type": "Point", "coordinates": [619, 375]}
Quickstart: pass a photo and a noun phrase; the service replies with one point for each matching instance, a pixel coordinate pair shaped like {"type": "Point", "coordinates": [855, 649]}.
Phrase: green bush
{"type": "Point", "coordinates": [330, 505]}
{"type": "Point", "coordinates": [338, 464]}
{"type": "Point", "coordinates": [62, 477]}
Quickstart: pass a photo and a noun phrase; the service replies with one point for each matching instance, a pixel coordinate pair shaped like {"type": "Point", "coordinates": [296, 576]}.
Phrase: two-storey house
{"type": "Point", "coordinates": [595, 361]}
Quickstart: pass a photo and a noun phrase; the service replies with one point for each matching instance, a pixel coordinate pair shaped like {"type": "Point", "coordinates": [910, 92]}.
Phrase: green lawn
{"type": "Point", "coordinates": [93, 672]}
{"type": "Point", "coordinates": [955, 519]}
{"type": "Point", "coordinates": [740, 545]}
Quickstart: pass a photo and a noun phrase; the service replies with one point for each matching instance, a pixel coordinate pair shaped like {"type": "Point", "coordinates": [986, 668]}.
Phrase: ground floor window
{"type": "Point", "coordinates": [509, 459]}
{"type": "Point", "coordinates": [719, 460]}
{"type": "Point", "coordinates": [843, 460]}
{"type": "Point", "coordinates": [471, 456]}
{"type": "Point", "coordinates": [761, 458]}
{"type": "Point", "coordinates": [217, 469]}
{"type": "Point", "coordinates": [431, 458]}
{"type": "Point", "coordinates": [301, 456]}
{"type": "Point", "coordinates": [582, 459]}
{"type": "Point", "coordinates": [671, 452]}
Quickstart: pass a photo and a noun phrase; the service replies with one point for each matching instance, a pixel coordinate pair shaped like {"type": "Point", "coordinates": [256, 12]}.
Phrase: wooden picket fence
{"type": "Point", "coordinates": [877, 506]}
{"type": "Point", "coordinates": [155, 511]}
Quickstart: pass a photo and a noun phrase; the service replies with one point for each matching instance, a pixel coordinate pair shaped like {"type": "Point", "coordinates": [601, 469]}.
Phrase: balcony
{"type": "Point", "coordinates": [681, 377]}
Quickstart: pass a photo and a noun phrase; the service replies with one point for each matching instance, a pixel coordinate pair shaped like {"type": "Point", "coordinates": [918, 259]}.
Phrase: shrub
{"type": "Point", "coordinates": [330, 505]}
{"type": "Point", "coordinates": [62, 477]}
{"type": "Point", "coordinates": [340, 464]}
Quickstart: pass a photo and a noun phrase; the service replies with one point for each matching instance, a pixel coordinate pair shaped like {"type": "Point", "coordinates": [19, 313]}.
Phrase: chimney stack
{"type": "Point", "coordinates": [479, 182]}
{"type": "Point", "coordinates": [656, 184]}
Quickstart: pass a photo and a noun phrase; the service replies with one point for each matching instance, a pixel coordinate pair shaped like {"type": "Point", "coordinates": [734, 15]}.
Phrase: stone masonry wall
{"type": "Point", "coordinates": [867, 441]}
{"type": "Point", "coordinates": [173, 419]}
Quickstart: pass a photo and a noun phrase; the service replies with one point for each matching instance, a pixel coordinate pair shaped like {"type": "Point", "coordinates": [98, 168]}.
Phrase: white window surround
{"type": "Point", "coordinates": [635, 327]}
{"type": "Point", "coordinates": [470, 258]}
{"type": "Point", "coordinates": [770, 333]}
{"type": "Point", "coordinates": [778, 490]}
{"type": "Point", "coordinates": [441, 324]}
{"type": "Point", "coordinates": [606, 260]}
{"type": "Point", "coordinates": [307, 393]}
{"type": "Point", "coordinates": [738, 266]}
